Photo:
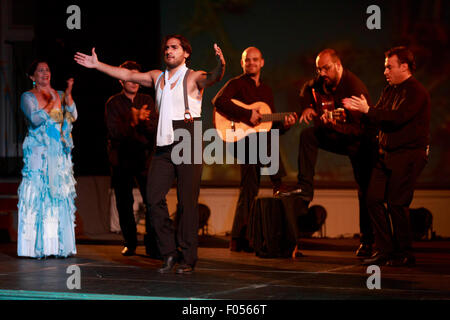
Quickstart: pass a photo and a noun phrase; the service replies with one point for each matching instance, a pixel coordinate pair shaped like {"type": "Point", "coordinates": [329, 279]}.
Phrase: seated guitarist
{"type": "Point", "coordinates": [348, 135]}
{"type": "Point", "coordinates": [248, 88]}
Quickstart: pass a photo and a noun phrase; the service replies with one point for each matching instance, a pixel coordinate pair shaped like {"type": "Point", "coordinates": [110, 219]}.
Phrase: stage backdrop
{"type": "Point", "coordinates": [291, 33]}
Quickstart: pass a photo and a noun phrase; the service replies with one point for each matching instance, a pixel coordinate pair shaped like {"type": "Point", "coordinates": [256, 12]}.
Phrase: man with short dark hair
{"type": "Point", "coordinates": [335, 131]}
{"type": "Point", "coordinates": [131, 121]}
{"type": "Point", "coordinates": [402, 115]}
{"type": "Point", "coordinates": [179, 93]}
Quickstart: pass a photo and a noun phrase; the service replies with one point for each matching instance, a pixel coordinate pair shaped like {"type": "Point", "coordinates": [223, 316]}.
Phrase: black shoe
{"type": "Point", "coordinates": [184, 268]}
{"type": "Point", "coordinates": [126, 251]}
{"type": "Point", "coordinates": [364, 250]}
{"type": "Point", "coordinates": [283, 191]}
{"type": "Point", "coordinates": [169, 263]}
{"type": "Point", "coordinates": [379, 259]}
{"type": "Point", "coordinates": [402, 260]}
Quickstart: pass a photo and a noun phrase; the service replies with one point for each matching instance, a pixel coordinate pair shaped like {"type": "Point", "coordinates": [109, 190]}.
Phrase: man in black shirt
{"type": "Point", "coordinates": [402, 115]}
{"type": "Point", "coordinates": [249, 88]}
{"type": "Point", "coordinates": [343, 134]}
{"type": "Point", "coordinates": [131, 121]}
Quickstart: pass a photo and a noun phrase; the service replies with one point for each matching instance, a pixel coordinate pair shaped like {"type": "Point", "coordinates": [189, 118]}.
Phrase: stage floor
{"type": "Point", "coordinates": [329, 270]}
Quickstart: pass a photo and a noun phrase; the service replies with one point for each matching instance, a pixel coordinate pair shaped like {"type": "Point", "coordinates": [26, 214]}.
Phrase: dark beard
{"type": "Point", "coordinates": [328, 87]}
{"type": "Point", "coordinates": [173, 64]}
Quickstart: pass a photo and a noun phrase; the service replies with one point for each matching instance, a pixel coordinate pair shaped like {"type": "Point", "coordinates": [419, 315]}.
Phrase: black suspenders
{"type": "Point", "coordinates": [187, 114]}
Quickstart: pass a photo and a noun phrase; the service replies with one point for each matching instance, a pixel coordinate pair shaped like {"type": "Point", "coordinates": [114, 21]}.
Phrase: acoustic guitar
{"type": "Point", "coordinates": [233, 131]}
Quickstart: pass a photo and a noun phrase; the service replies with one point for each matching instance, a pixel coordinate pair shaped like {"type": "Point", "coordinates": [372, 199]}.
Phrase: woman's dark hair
{"type": "Point", "coordinates": [33, 66]}
{"type": "Point", "coordinates": [404, 55]}
{"type": "Point", "coordinates": [183, 42]}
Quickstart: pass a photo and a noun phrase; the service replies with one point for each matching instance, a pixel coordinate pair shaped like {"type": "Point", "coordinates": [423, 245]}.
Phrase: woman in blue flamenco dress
{"type": "Point", "coordinates": [46, 225]}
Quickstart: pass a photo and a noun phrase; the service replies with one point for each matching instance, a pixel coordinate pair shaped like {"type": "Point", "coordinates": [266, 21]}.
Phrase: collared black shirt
{"type": "Point", "coordinates": [129, 145]}
{"type": "Point", "coordinates": [403, 116]}
{"type": "Point", "coordinates": [349, 85]}
{"type": "Point", "coordinates": [244, 89]}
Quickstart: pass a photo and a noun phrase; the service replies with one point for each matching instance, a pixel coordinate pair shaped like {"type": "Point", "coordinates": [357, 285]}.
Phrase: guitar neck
{"type": "Point", "coordinates": [275, 116]}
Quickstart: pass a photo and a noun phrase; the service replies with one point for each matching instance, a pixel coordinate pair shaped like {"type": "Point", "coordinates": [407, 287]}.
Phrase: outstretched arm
{"type": "Point", "coordinates": [145, 79]}
{"type": "Point", "coordinates": [206, 79]}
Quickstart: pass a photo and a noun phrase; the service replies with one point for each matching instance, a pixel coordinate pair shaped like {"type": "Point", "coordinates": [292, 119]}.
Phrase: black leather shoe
{"type": "Point", "coordinates": [379, 259]}
{"type": "Point", "coordinates": [184, 268]}
{"type": "Point", "coordinates": [284, 191]}
{"type": "Point", "coordinates": [126, 251]}
{"type": "Point", "coordinates": [364, 250]}
{"type": "Point", "coordinates": [402, 260]}
{"type": "Point", "coordinates": [281, 191]}
{"type": "Point", "coordinates": [168, 265]}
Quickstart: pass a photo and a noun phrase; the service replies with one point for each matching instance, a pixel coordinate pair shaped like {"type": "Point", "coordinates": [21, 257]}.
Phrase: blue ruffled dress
{"type": "Point", "coordinates": [46, 224]}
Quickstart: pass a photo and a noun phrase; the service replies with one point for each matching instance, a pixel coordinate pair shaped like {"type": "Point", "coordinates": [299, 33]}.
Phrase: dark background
{"type": "Point", "coordinates": [289, 33]}
{"type": "Point", "coordinates": [119, 33]}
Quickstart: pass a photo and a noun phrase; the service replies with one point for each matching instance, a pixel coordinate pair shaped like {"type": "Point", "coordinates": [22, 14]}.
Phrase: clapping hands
{"type": "Point", "coordinates": [141, 114]}
{"type": "Point", "coordinates": [356, 104]}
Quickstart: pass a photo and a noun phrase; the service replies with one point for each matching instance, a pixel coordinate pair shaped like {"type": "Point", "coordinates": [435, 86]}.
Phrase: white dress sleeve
{"type": "Point", "coordinates": [30, 107]}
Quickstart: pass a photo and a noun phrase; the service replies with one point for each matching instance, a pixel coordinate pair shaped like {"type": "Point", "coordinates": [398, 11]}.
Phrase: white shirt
{"type": "Point", "coordinates": [171, 107]}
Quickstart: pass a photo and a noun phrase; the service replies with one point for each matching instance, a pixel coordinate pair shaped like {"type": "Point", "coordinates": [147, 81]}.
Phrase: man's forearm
{"type": "Point", "coordinates": [115, 72]}
{"type": "Point", "coordinates": [218, 72]}
{"type": "Point", "coordinates": [226, 106]}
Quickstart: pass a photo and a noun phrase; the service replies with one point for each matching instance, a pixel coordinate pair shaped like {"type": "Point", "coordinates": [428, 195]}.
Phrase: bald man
{"type": "Point", "coordinates": [249, 88]}
{"type": "Point", "coordinates": [340, 132]}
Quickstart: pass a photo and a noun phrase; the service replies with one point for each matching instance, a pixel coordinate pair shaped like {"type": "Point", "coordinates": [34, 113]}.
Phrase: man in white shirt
{"type": "Point", "coordinates": [173, 114]}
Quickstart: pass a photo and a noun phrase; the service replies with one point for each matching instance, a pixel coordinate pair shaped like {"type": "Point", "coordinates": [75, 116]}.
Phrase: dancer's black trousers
{"type": "Point", "coordinates": [390, 193]}
{"type": "Point", "coordinates": [163, 172]}
{"type": "Point", "coordinates": [362, 153]}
